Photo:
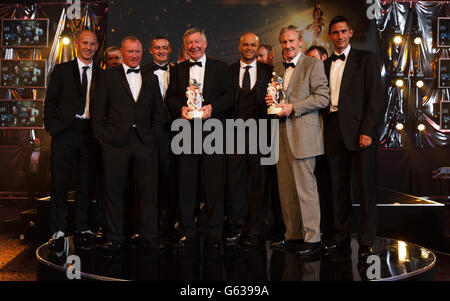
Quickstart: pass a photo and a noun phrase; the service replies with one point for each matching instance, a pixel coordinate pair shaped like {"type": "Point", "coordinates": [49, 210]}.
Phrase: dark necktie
{"type": "Point", "coordinates": [158, 67]}
{"type": "Point", "coordinates": [133, 70]}
{"type": "Point", "coordinates": [195, 63]}
{"type": "Point", "coordinates": [287, 65]}
{"type": "Point", "coordinates": [246, 79]}
{"type": "Point", "coordinates": [84, 84]}
{"type": "Point", "coordinates": [335, 57]}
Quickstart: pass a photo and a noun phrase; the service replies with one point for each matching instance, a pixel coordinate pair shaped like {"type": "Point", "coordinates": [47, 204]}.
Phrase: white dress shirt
{"type": "Point", "coordinates": [289, 71]}
{"type": "Point", "coordinates": [336, 71]}
{"type": "Point", "coordinates": [197, 72]}
{"type": "Point", "coordinates": [86, 114]}
{"type": "Point", "coordinates": [134, 81]}
{"type": "Point", "coordinates": [252, 72]}
{"type": "Point", "coordinates": [163, 79]}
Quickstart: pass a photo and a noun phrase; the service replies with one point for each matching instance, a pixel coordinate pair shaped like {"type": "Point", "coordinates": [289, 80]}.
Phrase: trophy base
{"type": "Point", "coordinates": [195, 114]}
{"type": "Point", "coordinates": [273, 110]}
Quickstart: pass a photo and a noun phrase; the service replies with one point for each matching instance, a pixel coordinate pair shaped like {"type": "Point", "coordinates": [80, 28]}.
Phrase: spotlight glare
{"type": "Point", "coordinates": [399, 126]}
{"type": "Point", "coordinates": [417, 41]}
{"type": "Point", "coordinates": [419, 84]}
{"type": "Point", "coordinates": [398, 39]}
{"type": "Point", "coordinates": [66, 41]}
{"type": "Point", "coordinates": [421, 127]}
{"type": "Point", "coordinates": [399, 83]}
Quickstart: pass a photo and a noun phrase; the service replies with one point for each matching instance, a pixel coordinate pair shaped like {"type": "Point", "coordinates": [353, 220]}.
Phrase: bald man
{"type": "Point", "coordinates": [67, 119]}
{"type": "Point", "coordinates": [245, 173]}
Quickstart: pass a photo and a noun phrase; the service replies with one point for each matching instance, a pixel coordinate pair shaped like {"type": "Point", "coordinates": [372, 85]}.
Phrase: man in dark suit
{"type": "Point", "coordinates": [66, 118]}
{"type": "Point", "coordinates": [247, 179]}
{"type": "Point", "coordinates": [351, 137]}
{"type": "Point", "coordinates": [215, 83]}
{"type": "Point", "coordinates": [160, 50]}
{"type": "Point", "coordinates": [128, 115]}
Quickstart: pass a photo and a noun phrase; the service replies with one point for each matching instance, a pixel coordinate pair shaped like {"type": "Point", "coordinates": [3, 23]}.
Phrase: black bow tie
{"type": "Point", "coordinates": [335, 57]}
{"type": "Point", "coordinates": [195, 63]}
{"type": "Point", "coordinates": [133, 70]}
{"type": "Point", "coordinates": [287, 65]}
{"type": "Point", "coordinates": [158, 67]}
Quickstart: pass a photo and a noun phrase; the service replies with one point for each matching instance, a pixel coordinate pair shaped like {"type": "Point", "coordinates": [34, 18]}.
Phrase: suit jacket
{"type": "Point", "coordinates": [308, 91]}
{"type": "Point", "coordinates": [360, 97]}
{"type": "Point", "coordinates": [263, 76]}
{"type": "Point", "coordinates": [148, 68]}
{"type": "Point", "coordinates": [63, 99]}
{"type": "Point", "coordinates": [217, 88]}
{"type": "Point", "coordinates": [114, 111]}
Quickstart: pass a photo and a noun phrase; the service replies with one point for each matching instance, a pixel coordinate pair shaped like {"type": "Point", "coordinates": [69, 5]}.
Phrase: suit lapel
{"type": "Point", "coordinates": [210, 69]}
{"type": "Point", "coordinates": [350, 66]}
{"type": "Point", "coordinates": [297, 71]}
{"type": "Point", "coordinates": [185, 74]}
{"type": "Point", "coordinates": [95, 74]}
{"type": "Point", "coordinates": [124, 82]}
{"type": "Point", "coordinates": [327, 65]}
{"type": "Point", "coordinates": [76, 75]}
{"type": "Point", "coordinates": [260, 75]}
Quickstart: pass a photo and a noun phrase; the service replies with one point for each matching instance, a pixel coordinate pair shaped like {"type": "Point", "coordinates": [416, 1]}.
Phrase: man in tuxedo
{"type": "Point", "coordinates": [265, 54]}
{"type": "Point", "coordinates": [247, 179]}
{"type": "Point", "coordinates": [301, 140]}
{"type": "Point", "coordinates": [215, 84]}
{"type": "Point", "coordinates": [67, 119]}
{"type": "Point", "coordinates": [128, 116]}
{"type": "Point", "coordinates": [351, 137]}
{"type": "Point", "coordinates": [161, 50]}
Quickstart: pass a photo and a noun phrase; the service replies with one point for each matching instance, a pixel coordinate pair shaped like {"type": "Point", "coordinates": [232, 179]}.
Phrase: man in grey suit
{"type": "Point", "coordinates": [300, 141]}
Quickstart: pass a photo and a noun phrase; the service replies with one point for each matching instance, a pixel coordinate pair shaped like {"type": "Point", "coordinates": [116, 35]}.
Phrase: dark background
{"type": "Point", "coordinates": [226, 20]}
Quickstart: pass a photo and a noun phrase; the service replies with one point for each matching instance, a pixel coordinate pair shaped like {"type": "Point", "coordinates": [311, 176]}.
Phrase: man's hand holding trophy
{"type": "Point", "coordinates": [275, 98]}
{"type": "Point", "coordinates": [195, 108]}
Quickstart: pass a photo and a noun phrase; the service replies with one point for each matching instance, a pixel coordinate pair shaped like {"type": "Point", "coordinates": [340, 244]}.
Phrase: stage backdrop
{"type": "Point", "coordinates": [226, 20]}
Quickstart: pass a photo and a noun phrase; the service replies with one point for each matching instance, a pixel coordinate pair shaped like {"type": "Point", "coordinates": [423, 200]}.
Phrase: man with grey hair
{"type": "Point", "coordinates": [214, 81]}
{"type": "Point", "coordinates": [306, 89]}
{"type": "Point", "coordinates": [127, 118]}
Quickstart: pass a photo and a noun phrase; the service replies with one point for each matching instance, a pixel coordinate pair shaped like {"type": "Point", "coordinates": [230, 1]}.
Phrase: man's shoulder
{"type": "Point", "coordinates": [265, 67]}
{"type": "Point", "coordinates": [64, 66]}
{"type": "Point", "coordinates": [361, 52]}
{"type": "Point", "coordinates": [218, 63]}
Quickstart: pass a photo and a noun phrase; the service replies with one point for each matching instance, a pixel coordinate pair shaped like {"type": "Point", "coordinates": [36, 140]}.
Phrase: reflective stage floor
{"type": "Point", "coordinates": [394, 260]}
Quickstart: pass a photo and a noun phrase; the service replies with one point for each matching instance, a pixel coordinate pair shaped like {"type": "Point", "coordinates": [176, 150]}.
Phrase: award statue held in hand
{"type": "Point", "coordinates": [275, 89]}
{"type": "Point", "coordinates": [194, 99]}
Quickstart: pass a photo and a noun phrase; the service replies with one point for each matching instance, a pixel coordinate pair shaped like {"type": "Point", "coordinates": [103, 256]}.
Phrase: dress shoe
{"type": "Point", "coordinates": [251, 241]}
{"type": "Point", "coordinates": [186, 242]}
{"type": "Point", "coordinates": [341, 251]}
{"type": "Point", "coordinates": [83, 240]}
{"type": "Point", "coordinates": [364, 251]}
{"type": "Point", "coordinates": [100, 235]}
{"type": "Point", "coordinates": [289, 243]}
{"type": "Point", "coordinates": [57, 245]}
{"type": "Point", "coordinates": [111, 246]}
{"type": "Point", "coordinates": [215, 243]}
{"type": "Point", "coordinates": [233, 237]}
{"type": "Point", "coordinates": [153, 244]}
{"type": "Point", "coordinates": [134, 239]}
{"type": "Point", "coordinates": [308, 248]}
{"type": "Point", "coordinates": [329, 245]}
